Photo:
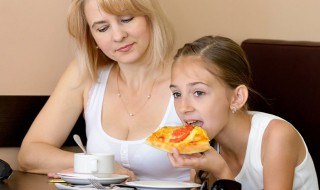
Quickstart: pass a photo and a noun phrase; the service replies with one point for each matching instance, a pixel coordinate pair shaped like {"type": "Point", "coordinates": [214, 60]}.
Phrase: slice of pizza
{"type": "Point", "coordinates": [187, 139]}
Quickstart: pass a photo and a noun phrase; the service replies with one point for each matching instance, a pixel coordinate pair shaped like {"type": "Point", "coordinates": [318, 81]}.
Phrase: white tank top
{"type": "Point", "coordinates": [146, 162]}
{"type": "Point", "coordinates": [251, 174]}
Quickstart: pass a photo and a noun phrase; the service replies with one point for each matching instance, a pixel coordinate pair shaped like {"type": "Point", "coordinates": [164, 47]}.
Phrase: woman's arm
{"type": "Point", "coordinates": [282, 150]}
{"type": "Point", "coordinates": [40, 150]}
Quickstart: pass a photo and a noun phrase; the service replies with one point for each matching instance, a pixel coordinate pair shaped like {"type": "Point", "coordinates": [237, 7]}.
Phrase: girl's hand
{"type": "Point", "coordinates": [210, 161]}
{"type": "Point", "coordinates": [198, 161]}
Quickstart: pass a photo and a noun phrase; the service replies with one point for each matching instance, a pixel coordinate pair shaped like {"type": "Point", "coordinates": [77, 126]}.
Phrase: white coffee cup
{"type": "Point", "coordinates": [98, 164]}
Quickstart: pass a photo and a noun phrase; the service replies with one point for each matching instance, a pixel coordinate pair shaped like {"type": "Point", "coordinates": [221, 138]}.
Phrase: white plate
{"type": "Point", "coordinates": [82, 179]}
{"type": "Point", "coordinates": [161, 185]}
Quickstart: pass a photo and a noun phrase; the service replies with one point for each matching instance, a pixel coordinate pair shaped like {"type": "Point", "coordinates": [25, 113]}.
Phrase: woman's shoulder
{"type": "Point", "coordinates": [75, 77]}
{"type": "Point", "coordinates": [81, 72]}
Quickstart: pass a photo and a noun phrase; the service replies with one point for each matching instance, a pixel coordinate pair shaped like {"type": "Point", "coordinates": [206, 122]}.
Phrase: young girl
{"type": "Point", "coordinates": [210, 84]}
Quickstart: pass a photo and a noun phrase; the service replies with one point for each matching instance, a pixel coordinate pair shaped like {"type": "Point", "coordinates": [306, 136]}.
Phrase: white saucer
{"type": "Point", "coordinates": [162, 185]}
{"type": "Point", "coordinates": [62, 186]}
{"type": "Point", "coordinates": [82, 179]}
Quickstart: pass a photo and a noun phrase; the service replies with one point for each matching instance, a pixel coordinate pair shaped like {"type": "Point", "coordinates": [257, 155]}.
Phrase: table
{"type": "Point", "coordinates": [27, 181]}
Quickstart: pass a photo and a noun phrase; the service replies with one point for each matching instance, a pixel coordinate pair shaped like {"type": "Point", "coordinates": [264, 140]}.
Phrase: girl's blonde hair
{"type": "Point", "coordinates": [225, 59]}
{"type": "Point", "coordinates": [224, 55]}
{"type": "Point", "coordinates": [162, 36]}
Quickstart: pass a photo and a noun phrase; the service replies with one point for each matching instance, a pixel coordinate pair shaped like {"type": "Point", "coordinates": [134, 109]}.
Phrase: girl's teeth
{"type": "Point", "coordinates": [191, 122]}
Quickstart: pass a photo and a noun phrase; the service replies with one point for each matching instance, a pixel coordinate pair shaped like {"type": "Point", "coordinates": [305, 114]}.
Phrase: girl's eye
{"type": "Point", "coordinates": [176, 94]}
{"type": "Point", "coordinates": [103, 29]}
{"type": "Point", "coordinates": [127, 19]}
{"type": "Point", "coordinates": [198, 93]}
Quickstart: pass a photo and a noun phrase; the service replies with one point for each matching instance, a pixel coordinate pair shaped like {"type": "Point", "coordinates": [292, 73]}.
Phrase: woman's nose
{"type": "Point", "coordinates": [119, 34]}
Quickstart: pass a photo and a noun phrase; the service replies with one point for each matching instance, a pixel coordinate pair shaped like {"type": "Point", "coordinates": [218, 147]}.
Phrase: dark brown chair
{"type": "Point", "coordinates": [17, 114]}
{"type": "Point", "coordinates": [287, 74]}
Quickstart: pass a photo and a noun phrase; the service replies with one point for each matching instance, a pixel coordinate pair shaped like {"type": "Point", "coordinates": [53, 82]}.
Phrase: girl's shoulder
{"type": "Point", "coordinates": [282, 140]}
{"type": "Point", "coordinates": [276, 128]}
{"type": "Point", "coordinates": [278, 134]}
{"type": "Point", "coordinates": [279, 128]}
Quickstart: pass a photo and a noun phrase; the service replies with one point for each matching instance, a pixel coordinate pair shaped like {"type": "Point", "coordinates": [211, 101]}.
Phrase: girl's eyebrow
{"type": "Point", "coordinates": [172, 86]}
{"type": "Point", "coordinates": [98, 22]}
{"type": "Point", "coordinates": [195, 83]}
{"type": "Point", "coordinates": [190, 84]}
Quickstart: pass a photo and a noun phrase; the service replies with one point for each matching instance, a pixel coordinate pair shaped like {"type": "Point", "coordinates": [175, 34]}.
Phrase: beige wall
{"type": "Point", "coordinates": [35, 47]}
{"type": "Point", "coordinates": [271, 19]}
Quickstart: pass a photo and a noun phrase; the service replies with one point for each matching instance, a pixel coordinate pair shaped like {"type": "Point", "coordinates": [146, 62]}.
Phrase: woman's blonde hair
{"type": "Point", "coordinates": [161, 43]}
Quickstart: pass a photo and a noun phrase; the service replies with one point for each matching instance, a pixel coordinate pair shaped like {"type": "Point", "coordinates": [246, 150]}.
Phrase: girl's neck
{"type": "Point", "coordinates": [234, 138]}
{"type": "Point", "coordinates": [233, 146]}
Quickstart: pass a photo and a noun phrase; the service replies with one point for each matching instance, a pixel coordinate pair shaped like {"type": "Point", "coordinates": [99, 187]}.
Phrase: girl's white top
{"type": "Point", "coordinates": [251, 174]}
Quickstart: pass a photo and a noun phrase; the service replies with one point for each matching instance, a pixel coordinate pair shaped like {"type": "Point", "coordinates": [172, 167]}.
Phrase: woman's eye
{"type": "Point", "coordinates": [103, 29]}
{"type": "Point", "coordinates": [127, 19]}
{"type": "Point", "coordinates": [198, 93]}
{"type": "Point", "coordinates": [176, 94]}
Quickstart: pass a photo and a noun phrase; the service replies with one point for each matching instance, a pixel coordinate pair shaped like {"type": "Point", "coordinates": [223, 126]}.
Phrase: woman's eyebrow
{"type": "Point", "coordinates": [98, 22]}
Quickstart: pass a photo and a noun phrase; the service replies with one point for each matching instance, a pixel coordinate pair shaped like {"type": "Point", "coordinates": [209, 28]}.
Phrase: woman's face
{"type": "Point", "coordinates": [200, 98]}
{"type": "Point", "coordinates": [124, 39]}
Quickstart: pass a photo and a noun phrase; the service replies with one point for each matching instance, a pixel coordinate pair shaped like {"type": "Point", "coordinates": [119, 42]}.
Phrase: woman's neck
{"type": "Point", "coordinates": [136, 76]}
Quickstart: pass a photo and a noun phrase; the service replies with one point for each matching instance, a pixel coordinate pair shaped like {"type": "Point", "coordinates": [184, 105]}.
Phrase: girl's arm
{"type": "Point", "coordinates": [282, 150]}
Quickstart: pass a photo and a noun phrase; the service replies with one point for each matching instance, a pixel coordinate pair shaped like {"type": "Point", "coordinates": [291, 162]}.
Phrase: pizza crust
{"type": "Point", "coordinates": [197, 141]}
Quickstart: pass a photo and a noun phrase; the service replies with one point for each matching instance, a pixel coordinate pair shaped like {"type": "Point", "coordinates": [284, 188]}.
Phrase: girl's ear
{"type": "Point", "coordinates": [239, 98]}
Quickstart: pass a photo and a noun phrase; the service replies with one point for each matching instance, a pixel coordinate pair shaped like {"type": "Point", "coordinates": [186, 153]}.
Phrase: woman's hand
{"type": "Point", "coordinates": [118, 170]}
{"type": "Point", "coordinates": [123, 171]}
{"type": "Point", "coordinates": [55, 176]}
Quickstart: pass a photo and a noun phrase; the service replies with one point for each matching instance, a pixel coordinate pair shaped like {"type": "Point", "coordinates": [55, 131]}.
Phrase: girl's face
{"type": "Point", "coordinates": [124, 39]}
{"type": "Point", "coordinates": [200, 97]}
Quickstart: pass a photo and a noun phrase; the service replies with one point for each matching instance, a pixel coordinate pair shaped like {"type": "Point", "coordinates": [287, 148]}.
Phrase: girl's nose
{"type": "Point", "coordinates": [184, 105]}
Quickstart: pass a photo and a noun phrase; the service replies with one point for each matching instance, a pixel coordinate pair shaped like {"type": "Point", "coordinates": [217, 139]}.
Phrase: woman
{"type": "Point", "coordinates": [211, 84]}
{"type": "Point", "coordinates": [120, 79]}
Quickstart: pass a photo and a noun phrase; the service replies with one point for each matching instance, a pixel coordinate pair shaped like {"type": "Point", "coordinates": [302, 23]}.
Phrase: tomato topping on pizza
{"type": "Point", "coordinates": [187, 139]}
{"type": "Point", "coordinates": [181, 133]}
